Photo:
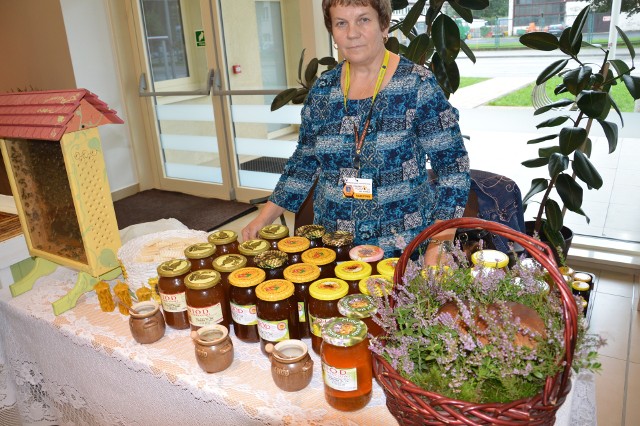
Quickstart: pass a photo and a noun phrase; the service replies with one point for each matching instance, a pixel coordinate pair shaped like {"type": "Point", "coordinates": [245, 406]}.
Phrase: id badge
{"type": "Point", "coordinates": [361, 189]}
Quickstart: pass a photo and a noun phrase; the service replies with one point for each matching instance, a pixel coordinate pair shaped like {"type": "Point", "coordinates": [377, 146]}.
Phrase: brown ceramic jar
{"type": "Point", "coordinates": [291, 365]}
{"type": "Point", "coordinates": [213, 348]}
{"type": "Point", "coordinates": [147, 326]}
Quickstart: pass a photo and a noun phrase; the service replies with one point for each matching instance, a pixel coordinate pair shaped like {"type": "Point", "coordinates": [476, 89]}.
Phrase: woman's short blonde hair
{"type": "Point", "coordinates": [383, 7]}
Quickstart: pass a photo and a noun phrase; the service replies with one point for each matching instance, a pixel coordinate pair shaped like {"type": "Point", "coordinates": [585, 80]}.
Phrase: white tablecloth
{"type": "Point", "coordinates": [83, 368]}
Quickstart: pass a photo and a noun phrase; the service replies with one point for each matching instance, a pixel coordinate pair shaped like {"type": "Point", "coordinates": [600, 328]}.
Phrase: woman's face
{"type": "Point", "coordinates": [357, 32]}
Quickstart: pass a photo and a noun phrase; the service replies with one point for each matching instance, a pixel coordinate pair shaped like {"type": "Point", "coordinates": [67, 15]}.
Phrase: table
{"type": "Point", "coordinates": [83, 368]}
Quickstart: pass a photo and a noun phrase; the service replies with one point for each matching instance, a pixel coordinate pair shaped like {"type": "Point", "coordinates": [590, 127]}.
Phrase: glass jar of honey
{"type": "Point", "coordinates": [242, 299]}
{"type": "Point", "coordinates": [226, 264]}
{"type": "Point", "coordinates": [226, 241]}
{"type": "Point", "coordinates": [323, 258]}
{"type": "Point", "coordinates": [387, 267]}
{"type": "Point", "coordinates": [200, 255]}
{"type": "Point", "coordinates": [274, 233]}
{"type": "Point", "coordinates": [313, 233]}
{"type": "Point", "coordinates": [352, 272]}
{"type": "Point", "coordinates": [362, 307]}
{"type": "Point", "coordinates": [376, 285]}
{"type": "Point", "coordinates": [490, 259]}
{"type": "Point", "coordinates": [277, 312]}
{"type": "Point", "coordinates": [205, 299]}
{"type": "Point", "coordinates": [367, 253]}
{"type": "Point", "coordinates": [273, 263]}
{"type": "Point", "coordinates": [347, 367]}
{"type": "Point", "coordinates": [171, 287]}
{"type": "Point", "coordinates": [251, 248]}
{"type": "Point", "coordinates": [323, 306]}
{"type": "Point", "coordinates": [302, 275]}
{"type": "Point", "coordinates": [293, 246]}
{"type": "Point", "coordinates": [340, 242]}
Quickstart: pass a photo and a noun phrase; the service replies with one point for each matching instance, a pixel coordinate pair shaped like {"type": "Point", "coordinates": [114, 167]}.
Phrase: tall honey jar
{"type": "Point", "coordinates": [352, 272]}
{"type": "Point", "coordinates": [340, 242]}
{"type": "Point", "coordinates": [293, 246]}
{"type": "Point", "coordinates": [387, 267]}
{"type": "Point", "coordinates": [367, 253]}
{"type": "Point", "coordinates": [347, 368]}
{"type": "Point", "coordinates": [313, 233]}
{"type": "Point", "coordinates": [362, 307]}
{"type": "Point", "coordinates": [273, 262]}
{"type": "Point", "coordinates": [273, 234]}
{"type": "Point", "coordinates": [243, 300]}
{"type": "Point", "coordinates": [302, 275]}
{"type": "Point", "coordinates": [205, 299]}
{"type": "Point", "coordinates": [324, 295]}
{"type": "Point", "coordinates": [277, 312]}
{"type": "Point", "coordinates": [171, 274]}
{"type": "Point", "coordinates": [323, 258]}
{"type": "Point", "coordinates": [200, 255]}
{"type": "Point", "coordinates": [226, 264]}
{"type": "Point", "coordinates": [251, 248]}
{"type": "Point", "coordinates": [226, 241]}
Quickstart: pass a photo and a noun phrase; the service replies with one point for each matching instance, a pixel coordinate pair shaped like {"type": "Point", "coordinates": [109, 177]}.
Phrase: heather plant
{"type": "Point", "coordinates": [471, 353]}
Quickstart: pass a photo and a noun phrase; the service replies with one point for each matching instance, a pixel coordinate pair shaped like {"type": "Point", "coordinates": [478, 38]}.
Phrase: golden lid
{"type": "Point", "coordinates": [582, 276]}
{"type": "Point", "coordinates": [253, 247]}
{"type": "Point", "coordinates": [380, 284]}
{"type": "Point", "coordinates": [293, 244]}
{"type": "Point", "coordinates": [174, 268]}
{"type": "Point", "coordinates": [328, 289]}
{"type": "Point", "coordinates": [318, 256]}
{"type": "Point", "coordinates": [490, 258]}
{"type": "Point", "coordinates": [222, 237]}
{"type": "Point", "coordinates": [247, 277]}
{"type": "Point", "coordinates": [274, 290]}
{"type": "Point", "coordinates": [311, 231]}
{"type": "Point", "coordinates": [301, 273]}
{"type": "Point", "coordinates": [200, 250]}
{"type": "Point", "coordinates": [387, 267]}
{"type": "Point", "coordinates": [353, 270]}
{"type": "Point", "coordinates": [274, 232]}
{"type": "Point", "coordinates": [271, 259]}
{"type": "Point", "coordinates": [580, 286]}
{"type": "Point", "coordinates": [229, 262]}
{"type": "Point", "coordinates": [202, 279]}
{"type": "Point", "coordinates": [337, 238]}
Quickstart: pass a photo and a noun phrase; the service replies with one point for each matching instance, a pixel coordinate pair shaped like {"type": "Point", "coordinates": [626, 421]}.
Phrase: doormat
{"type": "Point", "coordinates": [265, 164]}
{"type": "Point", "coordinates": [198, 213]}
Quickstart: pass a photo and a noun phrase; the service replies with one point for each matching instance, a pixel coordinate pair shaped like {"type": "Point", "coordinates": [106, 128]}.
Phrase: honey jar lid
{"type": "Point", "coordinates": [357, 306]}
{"type": "Point", "coordinates": [318, 256]}
{"type": "Point", "coordinates": [344, 332]}
{"type": "Point", "coordinates": [174, 268]}
{"type": "Point", "coordinates": [490, 258]}
{"type": "Point", "coordinates": [353, 270]}
{"type": "Point", "coordinates": [301, 273]}
{"type": "Point", "coordinates": [200, 250]}
{"type": "Point", "coordinates": [582, 276]}
{"type": "Point", "coordinates": [311, 231]}
{"type": "Point", "coordinates": [202, 279]}
{"type": "Point", "coordinates": [247, 277]}
{"type": "Point", "coordinates": [294, 244]}
{"type": "Point", "coordinates": [580, 286]}
{"type": "Point", "coordinates": [229, 262]}
{"type": "Point", "coordinates": [380, 284]}
{"type": "Point", "coordinates": [271, 259]}
{"type": "Point", "coordinates": [387, 267]}
{"type": "Point", "coordinates": [328, 289]}
{"type": "Point", "coordinates": [274, 232]}
{"type": "Point", "coordinates": [253, 247]}
{"type": "Point", "coordinates": [566, 270]}
{"type": "Point", "coordinates": [337, 238]}
{"type": "Point", "coordinates": [366, 253]}
{"type": "Point", "coordinates": [274, 290]}
{"type": "Point", "coordinates": [222, 237]}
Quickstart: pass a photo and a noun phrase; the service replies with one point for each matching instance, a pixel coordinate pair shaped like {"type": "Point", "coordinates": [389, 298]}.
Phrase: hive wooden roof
{"type": "Point", "coordinates": [48, 115]}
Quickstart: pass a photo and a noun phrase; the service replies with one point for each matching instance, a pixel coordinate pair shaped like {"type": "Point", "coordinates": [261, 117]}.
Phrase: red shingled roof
{"type": "Point", "coordinates": [48, 115]}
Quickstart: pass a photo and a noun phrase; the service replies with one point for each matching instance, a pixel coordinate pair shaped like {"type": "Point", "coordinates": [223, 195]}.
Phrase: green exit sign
{"type": "Point", "coordinates": [200, 38]}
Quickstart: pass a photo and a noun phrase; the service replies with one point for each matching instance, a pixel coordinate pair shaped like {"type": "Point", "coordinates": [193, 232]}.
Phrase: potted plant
{"type": "Point", "coordinates": [567, 160]}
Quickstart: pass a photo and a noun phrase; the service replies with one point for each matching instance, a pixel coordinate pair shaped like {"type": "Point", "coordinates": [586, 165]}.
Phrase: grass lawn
{"type": "Point", "coordinates": [468, 81]}
{"type": "Point", "coordinates": [522, 97]}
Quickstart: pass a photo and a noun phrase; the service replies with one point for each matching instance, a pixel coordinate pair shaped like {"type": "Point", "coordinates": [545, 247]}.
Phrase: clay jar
{"type": "Point", "coordinates": [291, 365]}
{"type": "Point", "coordinates": [213, 347]}
{"type": "Point", "coordinates": [147, 326]}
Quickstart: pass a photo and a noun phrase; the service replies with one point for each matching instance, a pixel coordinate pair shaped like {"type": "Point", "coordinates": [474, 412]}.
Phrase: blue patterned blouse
{"type": "Point", "coordinates": [412, 124]}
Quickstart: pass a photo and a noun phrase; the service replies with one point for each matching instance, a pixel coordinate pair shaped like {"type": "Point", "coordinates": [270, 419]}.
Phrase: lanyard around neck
{"type": "Point", "coordinates": [381, 73]}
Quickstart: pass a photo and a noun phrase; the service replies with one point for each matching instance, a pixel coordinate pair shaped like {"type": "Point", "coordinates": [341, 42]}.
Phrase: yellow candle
{"type": "Point", "coordinates": [104, 296]}
{"type": "Point", "coordinates": [143, 294]}
{"type": "Point", "coordinates": [122, 291]}
{"type": "Point", "coordinates": [153, 285]}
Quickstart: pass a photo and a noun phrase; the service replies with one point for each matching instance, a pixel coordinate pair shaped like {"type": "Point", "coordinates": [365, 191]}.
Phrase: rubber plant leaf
{"type": "Point", "coordinates": [575, 35]}
{"type": "Point", "coordinates": [542, 139]}
{"type": "Point", "coordinates": [551, 70]}
{"type": "Point", "coordinates": [537, 185]}
{"type": "Point", "coordinates": [594, 104]}
{"type": "Point", "coordinates": [570, 192]}
{"type": "Point", "coordinates": [448, 75]}
{"type": "Point", "coordinates": [474, 4]}
{"type": "Point", "coordinates": [558, 163]}
{"type": "Point", "coordinates": [626, 40]}
{"type": "Point", "coordinates": [557, 104]}
{"type": "Point", "coordinates": [300, 96]}
{"type": "Point", "coordinates": [611, 132]}
{"type": "Point", "coordinates": [552, 122]}
{"type": "Point", "coordinates": [553, 215]}
{"type": "Point", "coordinates": [536, 162]}
{"type": "Point", "coordinates": [446, 38]}
{"type": "Point", "coordinates": [620, 66]}
{"type": "Point", "coordinates": [555, 238]}
{"type": "Point", "coordinates": [571, 138]}
{"type": "Point", "coordinates": [540, 41]}
{"type": "Point", "coordinates": [467, 51]}
{"type": "Point", "coordinates": [614, 105]}
{"type": "Point", "coordinates": [633, 85]}
{"type": "Point", "coordinates": [311, 72]}
{"type": "Point", "coordinates": [412, 17]}
{"type": "Point", "coordinates": [283, 98]}
{"type": "Point", "coordinates": [585, 171]}
{"type": "Point", "coordinates": [417, 48]}
{"type": "Point", "coordinates": [393, 45]}
{"type": "Point", "coordinates": [464, 12]}
{"type": "Point", "coordinates": [399, 4]}
{"type": "Point", "coordinates": [300, 65]}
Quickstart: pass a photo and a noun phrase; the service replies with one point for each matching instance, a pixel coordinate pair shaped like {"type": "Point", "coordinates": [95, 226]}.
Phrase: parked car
{"type": "Point", "coordinates": [556, 29]}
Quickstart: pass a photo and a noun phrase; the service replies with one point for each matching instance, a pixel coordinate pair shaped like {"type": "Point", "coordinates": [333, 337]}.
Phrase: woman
{"type": "Point", "coordinates": [369, 126]}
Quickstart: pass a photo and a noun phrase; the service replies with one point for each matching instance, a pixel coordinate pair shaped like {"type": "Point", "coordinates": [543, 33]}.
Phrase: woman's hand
{"type": "Point", "coordinates": [267, 215]}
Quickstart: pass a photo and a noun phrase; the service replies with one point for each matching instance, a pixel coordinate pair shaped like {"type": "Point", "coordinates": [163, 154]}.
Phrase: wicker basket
{"type": "Point", "coordinates": [412, 405]}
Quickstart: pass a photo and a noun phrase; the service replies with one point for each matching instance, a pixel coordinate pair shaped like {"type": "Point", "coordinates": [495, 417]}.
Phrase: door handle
{"type": "Point", "coordinates": [142, 88]}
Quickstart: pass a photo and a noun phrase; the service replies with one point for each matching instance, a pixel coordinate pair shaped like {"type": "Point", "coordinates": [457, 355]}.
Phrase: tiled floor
{"type": "Point", "coordinates": [615, 317]}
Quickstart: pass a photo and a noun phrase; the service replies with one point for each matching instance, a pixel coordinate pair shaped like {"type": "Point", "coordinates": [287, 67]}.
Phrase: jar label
{"type": "Point", "coordinates": [174, 302]}
{"type": "Point", "coordinates": [204, 316]}
{"type": "Point", "coordinates": [316, 324]}
{"type": "Point", "coordinates": [244, 314]}
{"type": "Point", "coordinates": [342, 379]}
{"type": "Point", "coordinates": [301, 316]}
{"type": "Point", "coordinates": [273, 331]}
